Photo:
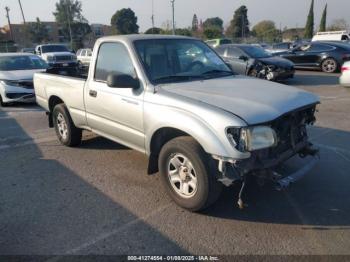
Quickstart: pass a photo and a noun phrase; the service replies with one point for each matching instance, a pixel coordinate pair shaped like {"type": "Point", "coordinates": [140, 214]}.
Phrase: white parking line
{"type": "Point", "coordinates": [340, 151]}
{"type": "Point", "coordinates": [109, 234]}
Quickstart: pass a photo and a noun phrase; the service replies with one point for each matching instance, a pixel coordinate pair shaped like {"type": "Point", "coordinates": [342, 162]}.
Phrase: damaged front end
{"type": "Point", "coordinates": [274, 144]}
{"type": "Point", "coordinates": [271, 72]}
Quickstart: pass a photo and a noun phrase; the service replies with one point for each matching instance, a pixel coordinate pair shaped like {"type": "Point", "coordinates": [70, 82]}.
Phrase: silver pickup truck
{"type": "Point", "coordinates": [174, 99]}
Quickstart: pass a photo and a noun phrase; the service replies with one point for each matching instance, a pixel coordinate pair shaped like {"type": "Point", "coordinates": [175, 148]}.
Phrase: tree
{"type": "Point", "coordinates": [239, 25]}
{"type": "Point", "coordinates": [183, 31]}
{"type": "Point", "coordinates": [38, 32]}
{"type": "Point", "coordinates": [339, 25]}
{"type": "Point", "coordinates": [214, 22]}
{"type": "Point", "coordinates": [213, 28]}
{"type": "Point", "coordinates": [323, 24]}
{"type": "Point", "coordinates": [266, 31]}
{"type": "Point", "coordinates": [194, 23]}
{"type": "Point", "coordinates": [212, 32]}
{"type": "Point", "coordinates": [125, 22]}
{"type": "Point", "coordinates": [68, 16]}
{"type": "Point", "coordinates": [309, 27]}
{"type": "Point", "coordinates": [154, 30]}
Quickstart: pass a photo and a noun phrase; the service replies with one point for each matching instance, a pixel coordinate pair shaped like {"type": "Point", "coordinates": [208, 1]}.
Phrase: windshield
{"type": "Point", "coordinates": [255, 52]}
{"type": "Point", "coordinates": [170, 60]}
{"type": "Point", "coordinates": [53, 48]}
{"type": "Point", "coordinates": [11, 63]}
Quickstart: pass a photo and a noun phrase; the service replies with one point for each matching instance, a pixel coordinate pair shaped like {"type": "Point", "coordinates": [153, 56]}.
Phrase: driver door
{"type": "Point", "coordinates": [116, 113]}
{"type": "Point", "coordinates": [237, 59]}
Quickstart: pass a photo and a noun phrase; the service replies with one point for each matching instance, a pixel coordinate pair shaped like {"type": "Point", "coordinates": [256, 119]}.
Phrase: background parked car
{"type": "Point", "coordinates": [255, 61]}
{"type": "Point", "coordinates": [57, 56]}
{"type": "Point", "coordinates": [84, 57]}
{"type": "Point", "coordinates": [218, 42]}
{"type": "Point", "coordinates": [345, 75]}
{"type": "Point", "coordinates": [28, 50]}
{"type": "Point", "coordinates": [16, 74]}
{"type": "Point", "coordinates": [326, 56]}
{"type": "Point", "coordinates": [279, 47]}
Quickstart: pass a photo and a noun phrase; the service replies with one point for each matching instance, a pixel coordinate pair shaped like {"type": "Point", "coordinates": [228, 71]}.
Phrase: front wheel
{"type": "Point", "coordinates": [329, 65]}
{"type": "Point", "coordinates": [189, 174]}
{"type": "Point", "coordinates": [67, 132]}
{"type": "Point", "coordinates": [2, 102]}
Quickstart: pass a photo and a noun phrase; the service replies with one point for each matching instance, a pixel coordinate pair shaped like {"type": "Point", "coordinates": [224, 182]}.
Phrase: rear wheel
{"type": "Point", "coordinates": [329, 65]}
{"type": "Point", "coordinates": [188, 174]}
{"type": "Point", "coordinates": [67, 132]}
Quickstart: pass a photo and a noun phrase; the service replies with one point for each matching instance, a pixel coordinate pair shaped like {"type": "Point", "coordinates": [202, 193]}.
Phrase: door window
{"type": "Point", "coordinates": [319, 48]}
{"type": "Point", "coordinates": [113, 58]}
{"type": "Point", "coordinates": [234, 52]}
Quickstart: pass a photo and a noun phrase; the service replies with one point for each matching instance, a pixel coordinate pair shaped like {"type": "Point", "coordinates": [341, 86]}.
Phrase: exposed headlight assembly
{"type": "Point", "coordinates": [249, 139]}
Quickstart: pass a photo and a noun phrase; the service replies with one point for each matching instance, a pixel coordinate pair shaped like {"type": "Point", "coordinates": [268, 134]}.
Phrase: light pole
{"type": "Point", "coordinates": [20, 6]}
{"type": "Point", "coordinates": [152, 17]}
{"type": "Point", "coordinates": [68, 20]}
{"type": "Point", "coordinates": [173, 9]}
{"type": "Point", "coordinates": [9, 22]}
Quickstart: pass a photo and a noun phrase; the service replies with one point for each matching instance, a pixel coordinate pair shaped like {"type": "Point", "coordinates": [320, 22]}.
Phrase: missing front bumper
{"type": "Point", "coordinates": [286, 181]}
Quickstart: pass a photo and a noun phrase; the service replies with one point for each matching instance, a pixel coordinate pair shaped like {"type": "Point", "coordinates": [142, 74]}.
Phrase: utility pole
{"type": "Point", "coordinates": [20, 6]}
{"type": "Point", "coordinates": [152, 17]}
{"type": "Point", "coordinates": [173, 9]}
{"type": "Point", "coordinates": [243, 27]}
{"type": "Point", "coordinates": [69, 25]}
{"type": "Point", "coordinates": [9, 22]}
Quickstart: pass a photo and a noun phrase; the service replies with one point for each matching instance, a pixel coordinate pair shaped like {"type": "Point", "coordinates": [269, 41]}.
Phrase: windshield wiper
{"type": "Point", "coordinates": [177, 78]}
{"type": "Point", "coordinates": [217, 71]}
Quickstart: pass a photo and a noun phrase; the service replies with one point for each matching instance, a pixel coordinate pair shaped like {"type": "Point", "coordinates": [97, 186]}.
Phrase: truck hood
{"type": "Point", "coordinates": [256, 101]}
{"type": "Point", "coordinates": [19, 74]}
{"type": "Point", "coordinates": [57, 54]}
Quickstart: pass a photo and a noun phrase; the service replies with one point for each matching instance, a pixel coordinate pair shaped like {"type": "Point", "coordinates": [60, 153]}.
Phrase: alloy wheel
{"type": "Point", "coordinates": [182, 176]}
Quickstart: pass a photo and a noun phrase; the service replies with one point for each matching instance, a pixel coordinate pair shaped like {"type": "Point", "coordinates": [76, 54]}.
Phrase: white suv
{"type": "Point", "coordinates": [84, 56]}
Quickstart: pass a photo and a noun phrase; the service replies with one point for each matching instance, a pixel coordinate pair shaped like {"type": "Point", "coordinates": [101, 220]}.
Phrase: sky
{"type": "Point", "coordinates": [290, 13]}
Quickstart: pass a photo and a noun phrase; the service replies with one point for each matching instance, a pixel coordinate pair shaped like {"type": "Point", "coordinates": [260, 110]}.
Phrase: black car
{"type": "Point", "coordinates": [326, 56]}
{"type": "Point", "coordinates": [255, 61]}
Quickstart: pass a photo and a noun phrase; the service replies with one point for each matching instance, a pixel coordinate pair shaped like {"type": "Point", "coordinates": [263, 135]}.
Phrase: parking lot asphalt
{"type": "Point", "coordinates": [97, 199]}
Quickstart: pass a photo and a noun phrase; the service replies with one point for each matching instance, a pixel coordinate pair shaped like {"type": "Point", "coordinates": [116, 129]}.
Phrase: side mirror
{"type": "Point", "coordinates": [115, 80]}
{"type": "Point", "coordinates": [243, 57]}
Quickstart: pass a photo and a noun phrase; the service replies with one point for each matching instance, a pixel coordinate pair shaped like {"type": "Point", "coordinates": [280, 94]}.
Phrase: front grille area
{"type": "Point", "coordinates": [19, 95]}
{"type": "Point", "coordinates": [291, 130]}
{"type": "Point", "coordinates": [26, 84]}
{"type": "Point", "coordinates": [63, 58]}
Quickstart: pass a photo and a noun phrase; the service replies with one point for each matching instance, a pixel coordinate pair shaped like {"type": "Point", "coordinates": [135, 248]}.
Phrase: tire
{"type": "Point", "coordinates": [66, 131]}
{"type": "Point", "coordinates": [329, 65]}
{"type": "Point", "coordinates": [202, 189]}
{"type": "Point", "coordinates": [2, 103]}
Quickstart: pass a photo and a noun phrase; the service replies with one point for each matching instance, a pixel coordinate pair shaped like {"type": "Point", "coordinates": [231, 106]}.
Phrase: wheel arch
{"type": "Point", "coordinates": [205, 138]}
{"type": "Point", "coordinates": [53, 101]}
{"type": "Point", "coordinates": [159, 138]}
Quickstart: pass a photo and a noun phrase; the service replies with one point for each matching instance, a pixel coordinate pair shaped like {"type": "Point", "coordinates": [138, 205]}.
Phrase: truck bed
{"type": "Point", "coordinates": [67, 87]}
{"type": "Point", "coordinates": [75, 73]}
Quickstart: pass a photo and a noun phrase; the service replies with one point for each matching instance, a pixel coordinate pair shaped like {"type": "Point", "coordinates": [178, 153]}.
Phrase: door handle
{"type": "Point", "coordinates": [93, 93]}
